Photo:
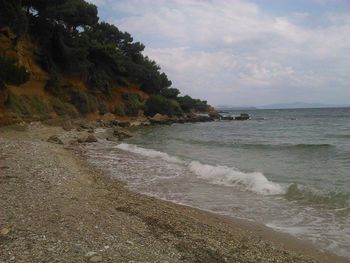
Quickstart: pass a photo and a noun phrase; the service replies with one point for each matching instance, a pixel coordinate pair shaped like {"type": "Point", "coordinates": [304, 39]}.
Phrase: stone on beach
{"type": "Point", "coordinates": [88, 139]}
{"type": "Point", "coordinates": [54, 139]}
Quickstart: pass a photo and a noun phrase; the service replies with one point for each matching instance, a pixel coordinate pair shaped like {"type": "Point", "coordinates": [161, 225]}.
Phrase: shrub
{"type": "Point", "coordinates": [102, 107]}
{"type": "Point", "coordinates": [64, 109]}
{"type": "Point", "coordinates": [18, 104]}
{"type": "Point", "coordinates": [25, 105]}
{"type": "Point", "coordinates": [83, 102]}
{"type": "Point", "coordinates": [119, 111]}
{"type": "Point", "coordinates": [188, 104]}
{"type": "Point", "coordinates": [52, 84]}
{"type": "Point", "coordinates": [11, 73]}
{"type": "Point", "coordinates": [132, 103]}
{"type": "Point", "coordinates": [159, 104]}
{"type": "Point", "coordinates": [170, 93]}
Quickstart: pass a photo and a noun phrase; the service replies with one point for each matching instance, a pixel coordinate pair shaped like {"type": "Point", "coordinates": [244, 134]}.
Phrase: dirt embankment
{"type": "Point", "coordinates": [35, 100]}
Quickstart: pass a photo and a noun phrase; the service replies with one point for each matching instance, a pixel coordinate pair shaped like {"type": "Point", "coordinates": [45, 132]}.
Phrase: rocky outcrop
{"type": "Point", "coordinates": [242, 117]}
{"type": "Point", "coordinates": [213, 113]}
{"type": "Point", "coordinates": [124, 124]}
{"type": "Point", "coordinates": [160, 119]}
{"type": "Point", "coordinates": [121, 134]}
{"type": "Point", "coordinates": [227, 118]}
{"type": "Point", "coordinates": [192, 117]}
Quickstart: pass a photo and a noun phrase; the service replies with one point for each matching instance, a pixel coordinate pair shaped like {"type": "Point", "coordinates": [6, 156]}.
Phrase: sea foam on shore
{"type": "Point", "coordinates": [222, 175]}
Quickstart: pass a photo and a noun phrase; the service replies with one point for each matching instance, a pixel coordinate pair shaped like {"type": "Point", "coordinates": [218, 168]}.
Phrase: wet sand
{"type": "Point", "coordinates": [55, 207]}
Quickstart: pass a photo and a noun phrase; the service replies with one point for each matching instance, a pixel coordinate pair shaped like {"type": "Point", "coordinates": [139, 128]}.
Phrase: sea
{"type": "Point", "coordinates": [287, 169]}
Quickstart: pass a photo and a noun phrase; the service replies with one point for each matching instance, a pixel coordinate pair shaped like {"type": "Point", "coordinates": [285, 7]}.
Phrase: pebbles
{"type": "Point", "coordinates": [51, 201]}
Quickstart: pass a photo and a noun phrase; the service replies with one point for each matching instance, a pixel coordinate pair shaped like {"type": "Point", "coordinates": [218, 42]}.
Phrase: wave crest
{"type": "Point", "coordinates": [148, 152]}
{"type": "Point", "coordinates": [223, 175]}
{"type": "Point", "coordinates": [311, 196]}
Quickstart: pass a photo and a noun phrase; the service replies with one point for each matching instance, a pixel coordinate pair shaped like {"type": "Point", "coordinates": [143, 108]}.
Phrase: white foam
{"type": "Point", "coordinates": [148, 152]}
{"type": "Point", "coordinates": [223, 175]}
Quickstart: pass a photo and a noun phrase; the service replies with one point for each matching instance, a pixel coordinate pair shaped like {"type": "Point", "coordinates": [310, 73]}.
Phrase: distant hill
{"type": "Point", "coordinates": [234, 108]}
{"type": "Point", "coordinates": [299, 105]}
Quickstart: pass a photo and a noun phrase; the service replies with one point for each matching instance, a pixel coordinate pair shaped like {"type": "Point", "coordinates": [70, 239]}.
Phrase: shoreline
{"type": "Point", "coordinates": [97, 219]}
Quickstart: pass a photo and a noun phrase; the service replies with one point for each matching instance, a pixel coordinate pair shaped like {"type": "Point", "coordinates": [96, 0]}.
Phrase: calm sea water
{"type": "Point", "coordinates": [287, 169]}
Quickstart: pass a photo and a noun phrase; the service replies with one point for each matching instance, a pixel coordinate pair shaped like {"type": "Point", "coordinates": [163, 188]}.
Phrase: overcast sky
{"type": "Point", "coordinates": [238, 52]}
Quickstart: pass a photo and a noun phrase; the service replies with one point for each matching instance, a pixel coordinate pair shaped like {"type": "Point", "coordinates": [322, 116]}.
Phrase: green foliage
{"type": "Point", "coordinates": [70, 13]}
{"type": "Point", "coordinates": [83, 102]}
{"type": "Point", "coordinates": [119, 111]}
{"type": "Point", "coordinates": [159, 104]}
{"type": "Point", "coordinates": [18, 104]}
{"type": "Point", "coordinates": [188, 104]}
{"type": "Point", "coordinates": [133, 104]}
{"type": "Point", "coordinates": [13, 16]}
{"type": "Point", "coordinates": [170, 93]}
{"type": "Point", "coordinates": [11, 73]}
{"type": "Point", "coordinates": [64, 109]}
{"type": "Point", "coordinates": [26, 106]}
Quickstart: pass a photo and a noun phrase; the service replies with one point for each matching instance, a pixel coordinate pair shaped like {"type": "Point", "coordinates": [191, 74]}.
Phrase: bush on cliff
{"type": "Point", "coordinates": [133, 104]}
{"type": "Point", "coordinates": [188, 104]}
{"type": "Point", "coordinates": [170, 93]}
{"type": "Point", "coordinates": [11, 73]}
{"type": "Point", "coordinates": [28, 106]}
{"type": "Point", "coordinates": [159, 104]}
{"type": "Point", "coordinates": [85, 103]}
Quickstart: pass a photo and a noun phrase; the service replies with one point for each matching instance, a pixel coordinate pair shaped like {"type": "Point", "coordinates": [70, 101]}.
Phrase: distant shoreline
{"type": "Point", "coordinates": [277, 108]}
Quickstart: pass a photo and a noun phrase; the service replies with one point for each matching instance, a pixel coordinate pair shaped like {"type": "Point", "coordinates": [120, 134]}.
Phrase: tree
{"type": "Point", "coordinates": [159, 104]}
{"type": "Point", "coordinates": [188, 104]}
{"type": "Point", "coordinates": [170, 93]}
{"type": "Point", "coordinates": [12, 15]}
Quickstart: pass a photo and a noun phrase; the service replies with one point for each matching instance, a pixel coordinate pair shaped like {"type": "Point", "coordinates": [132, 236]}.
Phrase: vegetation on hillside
{"type": "Point", "coordinates": [11, 73]}
{"type": "Point", "coordinates": [71, 40]}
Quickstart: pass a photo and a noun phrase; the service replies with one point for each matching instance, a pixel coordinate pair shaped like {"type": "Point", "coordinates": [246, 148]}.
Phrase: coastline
{"type": "Point", "coordinates": [58, 208]}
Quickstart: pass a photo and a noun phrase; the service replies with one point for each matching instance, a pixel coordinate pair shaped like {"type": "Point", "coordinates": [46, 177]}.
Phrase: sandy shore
{"type": "Point", "coordinates": [56, 208]}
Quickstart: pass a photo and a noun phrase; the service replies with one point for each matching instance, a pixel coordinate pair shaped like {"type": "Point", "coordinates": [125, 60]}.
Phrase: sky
{"type": "Point", "coordinates": [244, 52]}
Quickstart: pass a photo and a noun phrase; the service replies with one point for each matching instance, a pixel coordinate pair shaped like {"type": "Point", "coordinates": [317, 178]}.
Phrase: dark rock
{"type": "Point", "coordinates": [227, 118]}
{"type": "Point", "coordinates": [242, 117]}
{"type": "Point", "coordinates": [90, 138]}
{"type": "Point", "coordinates": [213, 113]}
{"type": "Point", "coordinates": [121, 134]}
{"type": "Point", "coordinates": [54, 139]}
{"type": "Point", "coordinates": [67, 126]}
{"type": "Point", "coordinates": [124, 124]}
{"type": "Point", "coordinates": [113, 123]}
{"type": "Point", "coordinates": [192, 117]}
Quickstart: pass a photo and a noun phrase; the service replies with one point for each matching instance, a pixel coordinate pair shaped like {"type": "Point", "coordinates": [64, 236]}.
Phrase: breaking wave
{"type": "Point", "coordinates": [148, 152]}
{"type": "Point", "coordinates": [221, 175]}
{"type": "Point", "coordinates": [309, 196]}
{"type": "Point", "coordinates": [229, 176]}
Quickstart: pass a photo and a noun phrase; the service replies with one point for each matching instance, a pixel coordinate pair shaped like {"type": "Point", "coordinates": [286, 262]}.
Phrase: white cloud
{"type": "Point", "coordinates": [233, 48]}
